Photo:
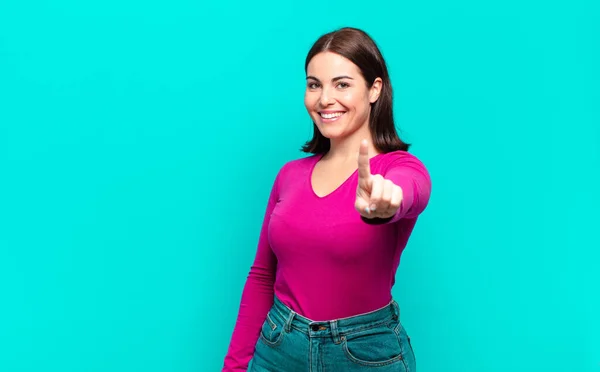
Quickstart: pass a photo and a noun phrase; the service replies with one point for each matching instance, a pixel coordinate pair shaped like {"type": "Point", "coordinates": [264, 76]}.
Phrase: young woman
{"type": "Point", "coordinates": [318, 296]}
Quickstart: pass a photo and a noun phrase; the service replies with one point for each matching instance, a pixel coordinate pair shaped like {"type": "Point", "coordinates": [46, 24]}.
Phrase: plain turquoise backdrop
{"type": "Point", "coordinates": [139, 141]}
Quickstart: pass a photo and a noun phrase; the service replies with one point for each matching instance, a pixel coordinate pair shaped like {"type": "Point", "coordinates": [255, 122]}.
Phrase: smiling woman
{"type": "Point", "coordinates": [342, 99]}
{"type": "Point", "coordinates": [346, 69]}
{"type": "Point", "coordinates": [318, 295]}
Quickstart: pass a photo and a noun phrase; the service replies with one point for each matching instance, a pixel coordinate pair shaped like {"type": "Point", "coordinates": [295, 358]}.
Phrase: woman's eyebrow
{"type": "Point", "coordinates": [333, 80]}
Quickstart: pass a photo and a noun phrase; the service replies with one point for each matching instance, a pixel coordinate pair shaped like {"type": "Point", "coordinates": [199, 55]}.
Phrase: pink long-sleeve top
{"type": "Point", "coordinates": [317, 254]}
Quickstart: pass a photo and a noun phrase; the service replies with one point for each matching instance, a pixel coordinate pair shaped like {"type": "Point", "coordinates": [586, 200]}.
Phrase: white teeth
{"type": "Point", "coordinates": [331, 116]}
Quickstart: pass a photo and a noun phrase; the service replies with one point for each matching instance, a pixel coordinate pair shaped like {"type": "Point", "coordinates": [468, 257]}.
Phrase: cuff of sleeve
{"type": "Point", "coordinates": [377, 221]}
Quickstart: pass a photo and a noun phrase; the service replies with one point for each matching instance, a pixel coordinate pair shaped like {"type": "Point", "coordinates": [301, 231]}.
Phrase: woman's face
{"type": "Point", "coordinates": [337, 97]}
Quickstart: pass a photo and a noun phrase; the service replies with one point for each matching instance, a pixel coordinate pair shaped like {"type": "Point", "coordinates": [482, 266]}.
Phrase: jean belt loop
{"type": "Point", "coordinates": [333, 324]}
{"type": "Point", "coordinates": [395, 310]}
{"type": "Point", "coordinates": [288, 322]}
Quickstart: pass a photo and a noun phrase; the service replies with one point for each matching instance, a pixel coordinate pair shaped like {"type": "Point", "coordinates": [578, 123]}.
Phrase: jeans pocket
{"type": "Point", "coordinates": [374, 346]}
{"type": "Point", "coordinates": [272, 330]}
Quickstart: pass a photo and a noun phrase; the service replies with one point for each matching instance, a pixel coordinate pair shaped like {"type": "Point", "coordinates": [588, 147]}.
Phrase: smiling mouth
{"type": "Point", "coordinates": [331, 116]}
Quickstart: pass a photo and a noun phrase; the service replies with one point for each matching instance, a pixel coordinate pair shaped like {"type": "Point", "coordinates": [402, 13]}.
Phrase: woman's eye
{"type": "Point", "coordinates": [343, 85]}
{"type": "Point", "coordinates": [313, 85]}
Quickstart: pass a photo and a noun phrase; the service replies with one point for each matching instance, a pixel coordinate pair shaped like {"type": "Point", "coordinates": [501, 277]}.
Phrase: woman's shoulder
{"type": "Point", "coordinates": [400, 159]}
{"type": "Point", "coordinates": [298, 165]}
{"type": "Point", "coordinates": [398, 156]}
{"type": "Point", "coordinates": [305, 162]}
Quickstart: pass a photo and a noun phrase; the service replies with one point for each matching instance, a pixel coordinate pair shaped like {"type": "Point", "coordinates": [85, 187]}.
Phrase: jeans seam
{"type": "Point", "coordinates": [402, 352]}
{"type": "Point", "coordinates": [271, 322]}
{"type": "Point", "coordinates": [364, 328]}
{"type": "Point", "coordinates": [310, 345]}
{"type": "Point", "coordinates": [272, 343]}
{"type": "Point", "coordinates": [354, 359]}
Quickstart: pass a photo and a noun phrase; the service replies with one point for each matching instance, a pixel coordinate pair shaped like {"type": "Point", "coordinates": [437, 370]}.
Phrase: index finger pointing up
{"type": "Point", "coordinates": [364, 168]}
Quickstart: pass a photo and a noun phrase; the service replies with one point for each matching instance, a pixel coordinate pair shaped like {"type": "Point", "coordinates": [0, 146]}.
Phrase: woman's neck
{"type": "Point", "coordinates": [346, 149]}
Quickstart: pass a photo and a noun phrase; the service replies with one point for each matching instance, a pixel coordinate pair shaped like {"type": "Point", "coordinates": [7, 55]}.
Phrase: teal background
{"type": "Point", "coordinates": [139, 141]}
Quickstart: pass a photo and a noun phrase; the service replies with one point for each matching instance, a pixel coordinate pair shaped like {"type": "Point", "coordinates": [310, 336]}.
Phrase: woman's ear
{"type": "Point", "coordinates": [375, 90]}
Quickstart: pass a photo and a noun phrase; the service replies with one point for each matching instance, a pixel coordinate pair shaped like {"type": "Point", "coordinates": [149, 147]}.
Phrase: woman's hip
{"type": "Point", "coordinates": [291, 342]}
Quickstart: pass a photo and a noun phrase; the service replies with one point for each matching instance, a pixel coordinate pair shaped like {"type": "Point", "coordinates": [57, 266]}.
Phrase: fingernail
{"type": "Point", "coordinates": [367, 210]}
{"type": "Point", "coordinates": [373, 207]}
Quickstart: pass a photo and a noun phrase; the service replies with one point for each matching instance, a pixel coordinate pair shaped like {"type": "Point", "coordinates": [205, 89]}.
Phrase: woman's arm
{"type": "Point", "coordinates": [257, 297]}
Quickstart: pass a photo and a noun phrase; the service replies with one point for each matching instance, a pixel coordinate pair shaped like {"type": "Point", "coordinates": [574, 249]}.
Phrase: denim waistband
{"type": "Point", "coordinates": [334, 328]}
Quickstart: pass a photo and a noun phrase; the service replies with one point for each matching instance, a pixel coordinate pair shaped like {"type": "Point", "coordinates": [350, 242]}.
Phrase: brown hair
{"type": "Point", "coordinates": [357, 46]}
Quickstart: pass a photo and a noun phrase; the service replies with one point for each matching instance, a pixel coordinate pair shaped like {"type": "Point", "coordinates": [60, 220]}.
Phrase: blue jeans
{"type": "Point", "coordinates": [374, 341]}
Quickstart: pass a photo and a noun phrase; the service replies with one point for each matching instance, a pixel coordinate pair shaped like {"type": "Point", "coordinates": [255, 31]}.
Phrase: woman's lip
{"type": "Point", "coordinates": [330, 120]}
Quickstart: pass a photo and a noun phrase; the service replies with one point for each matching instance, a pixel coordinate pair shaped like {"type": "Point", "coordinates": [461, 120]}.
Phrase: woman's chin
{"type": "Point", "coordinates": [331, 134]}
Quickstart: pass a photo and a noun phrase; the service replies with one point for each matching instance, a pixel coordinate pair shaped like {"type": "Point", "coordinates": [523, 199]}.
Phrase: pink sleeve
{"type": "Point", "coordinates": [410, 174]}
{"type": "Point", "coordinates": [257, 297]}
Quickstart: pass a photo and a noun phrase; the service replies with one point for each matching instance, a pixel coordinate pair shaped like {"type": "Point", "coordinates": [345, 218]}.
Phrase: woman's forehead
{"type": "Point", "coordinates": [327, 65]}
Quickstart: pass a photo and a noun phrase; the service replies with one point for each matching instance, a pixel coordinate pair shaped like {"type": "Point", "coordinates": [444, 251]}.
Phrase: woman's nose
{"type": "Point", "coordinates": [326, 98]}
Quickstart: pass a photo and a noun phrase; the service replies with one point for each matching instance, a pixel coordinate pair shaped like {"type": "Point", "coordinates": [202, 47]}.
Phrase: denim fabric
{"type": "Point", "coordinates": [374, 341]}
